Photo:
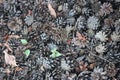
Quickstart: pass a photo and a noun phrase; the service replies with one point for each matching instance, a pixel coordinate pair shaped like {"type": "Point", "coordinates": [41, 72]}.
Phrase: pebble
{"type": "Point", "coordinates": [60, 8]}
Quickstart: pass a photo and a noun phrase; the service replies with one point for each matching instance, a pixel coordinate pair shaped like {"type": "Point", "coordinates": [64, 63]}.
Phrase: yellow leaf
{"type": "Point", "coordinates": [52, 11]}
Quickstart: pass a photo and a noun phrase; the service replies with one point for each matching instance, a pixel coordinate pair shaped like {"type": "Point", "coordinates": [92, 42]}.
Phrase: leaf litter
{"type": "Point", "coordinates": [59, 40]}
{"type": "Point", "coordinates": [9, 59]}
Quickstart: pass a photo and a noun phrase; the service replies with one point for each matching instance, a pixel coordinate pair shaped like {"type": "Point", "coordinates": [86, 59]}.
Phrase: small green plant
{"type": "Point", "coordinates": [27, 52]}
{"type": "Point", "coordinates": [55, 53]}
{"type": "Point", "coordinates": [24, 41]}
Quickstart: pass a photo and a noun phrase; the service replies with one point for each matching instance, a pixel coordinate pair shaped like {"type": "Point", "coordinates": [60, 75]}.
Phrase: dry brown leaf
{"type": "Point", "coordinates": [8, 47]}
{"type": "Point", "coordinates": [83, 66]}
{"type": "Point", "coordinates": [80, 37]}
{"type": "Point", "coordinates": [52, 11]}
{"type": "Point", "coordinates": [14, 36]}
{"type": "Point", "coordinates": [7, 37]}
{"type": "Point", "coordinates": [9, 59]}
{"type": "Point", "coordinates": [29, 12]}
{"type": "Point", "coordinates": [92, 65]}
{"type": "Point", "coordinates": [18, 69]}
{"type": "Point", "coordinates": [68, 41]}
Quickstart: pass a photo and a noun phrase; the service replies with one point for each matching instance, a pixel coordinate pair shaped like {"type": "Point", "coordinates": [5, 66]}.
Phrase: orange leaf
{"type": "Point", "coordinates": [52, 11]}
{"type": "Point", "coordinates": [80, 37]}
{"type": "Point", "coordinates": [18, 69]}
{"type": "Point", "coordinates": [6, 37]}
{"type": "Point", "coordinates": [9, 59]}
{"type": "Point", "coordinates": [92, 65]}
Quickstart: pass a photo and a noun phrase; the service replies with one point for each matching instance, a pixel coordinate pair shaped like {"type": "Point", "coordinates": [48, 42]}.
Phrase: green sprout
{"type": "Point", "coordinates": [24, 41]}
{"type": "Point", "coordinates": [55, 53]}
{"type": "Point", "coordinates": [27, 52]}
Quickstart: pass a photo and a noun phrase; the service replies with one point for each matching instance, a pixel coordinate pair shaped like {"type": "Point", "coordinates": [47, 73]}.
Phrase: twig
{"type": "Point", "coordinates": [92, 53]}
{"type": "Point", "coordinates": [100, 57]}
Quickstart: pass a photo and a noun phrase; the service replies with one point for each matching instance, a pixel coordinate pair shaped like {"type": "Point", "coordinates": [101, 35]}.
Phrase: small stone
{"type": "Point", "coordinates": [60, 8]}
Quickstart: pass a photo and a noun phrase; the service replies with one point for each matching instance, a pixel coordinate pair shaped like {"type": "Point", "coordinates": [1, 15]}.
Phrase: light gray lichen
{"type": "Point", "coordinates": [81, 22]}
{"type": "Point", "coordinates": [65, 65]}
{"type": "Point", "coordinates": [29, 20]}
{"type": "Point", "coordinates": [99, 74]}
{"type": "Point", "coordinates": [100, 48]}
{"type": "Point", "coordinates": [93, 22]}
{"type": "Point", "coordinates": [115, 36]}
{"type": "Point", "coordinates": [101, 35]}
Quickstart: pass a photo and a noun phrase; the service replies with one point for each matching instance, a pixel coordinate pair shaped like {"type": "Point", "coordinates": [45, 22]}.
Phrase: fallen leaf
{"type": "Point", "coordinates": [8, 47]}
{"type": "Point", "coordinates": [14, 36]}
{"type": "Point", "coordinates": [29, 29]}
{"type": "Point", "coordinates": [52, 11]}
{"type": "Point", "coordinates": [68, 41]}
{"type": "Point", "coordinates": [9, 59]}
{"type": "Point", "coordinates": [81, 37]}
{"type": "Point", "coordinates": [29, 12]}
{"type": "Point", "coordinates": [92, 65]}
{"type": "Point", "coordinates": [7, 37]}
{"type": "Point", "coordinates": [83, 66]}
{"type": "Point", "coordinates": [18, 69]}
